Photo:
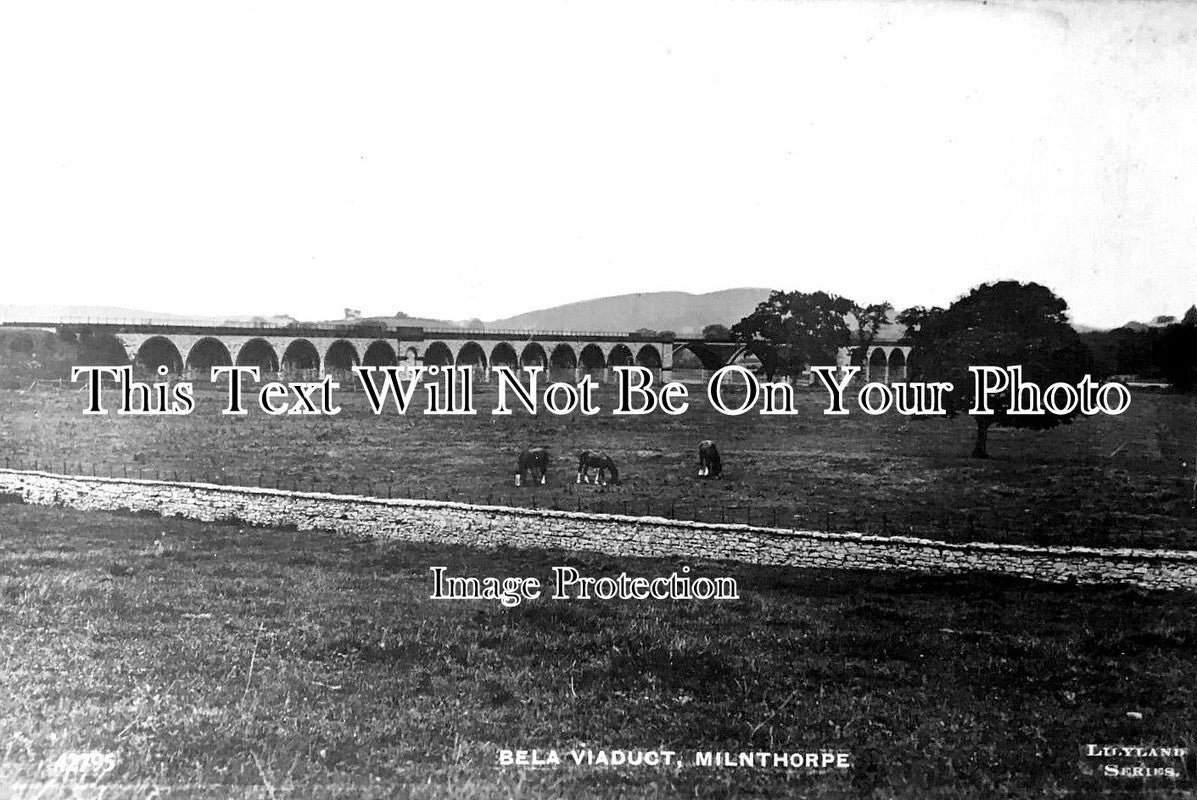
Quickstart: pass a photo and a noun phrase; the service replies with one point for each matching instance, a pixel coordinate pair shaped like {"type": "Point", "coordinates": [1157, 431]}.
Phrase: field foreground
{"type": "Point", "coordinates": [220, 661]}
{"type": "Point", "coordinates": [1123, 481]}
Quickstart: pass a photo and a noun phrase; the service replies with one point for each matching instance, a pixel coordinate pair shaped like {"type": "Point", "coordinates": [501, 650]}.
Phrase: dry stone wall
{"type": "Point", "coordinates": [489, 526]}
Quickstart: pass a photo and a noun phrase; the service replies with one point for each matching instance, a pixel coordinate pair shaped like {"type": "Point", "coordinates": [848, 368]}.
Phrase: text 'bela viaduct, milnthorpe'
{"type": "Point", "coordinates": [299, 351]}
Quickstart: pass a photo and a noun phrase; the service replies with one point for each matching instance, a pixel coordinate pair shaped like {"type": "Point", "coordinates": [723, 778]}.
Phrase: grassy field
{"type": "Point", "coordinates": [231, 662]}
{"type": "Point", "coordinates": [1124, 480]}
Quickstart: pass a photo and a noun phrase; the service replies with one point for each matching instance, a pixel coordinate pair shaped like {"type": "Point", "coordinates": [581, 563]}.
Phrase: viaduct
{"type": "Point", "coordinates": [306, 352]}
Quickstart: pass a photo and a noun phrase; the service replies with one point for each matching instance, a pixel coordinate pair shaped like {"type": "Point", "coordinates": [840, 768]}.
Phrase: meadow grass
{"type": "Point", "coordinates": [1106, 481]}
{"type": "Point", "coordinates": [220, 661]}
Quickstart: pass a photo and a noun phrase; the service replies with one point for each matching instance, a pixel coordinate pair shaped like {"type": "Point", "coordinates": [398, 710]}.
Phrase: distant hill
{"type": "Point", "coordinates": [389, 322]}
{"type": "Point", "coordinates": [1164, 320]}
{"type": "Point", "coordinates": [680, 312]}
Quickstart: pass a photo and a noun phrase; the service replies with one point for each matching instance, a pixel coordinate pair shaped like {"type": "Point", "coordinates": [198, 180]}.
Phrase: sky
{"type": "Point", "coordinates": [480, 159]}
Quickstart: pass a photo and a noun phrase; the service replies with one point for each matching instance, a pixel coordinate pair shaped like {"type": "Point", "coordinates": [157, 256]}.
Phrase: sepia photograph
{"type": "Point", "coordinates": [557, 399]}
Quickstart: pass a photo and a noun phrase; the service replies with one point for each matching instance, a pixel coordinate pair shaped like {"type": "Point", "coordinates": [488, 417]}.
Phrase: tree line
{"type": "Point", "coordinates": [996, 324]}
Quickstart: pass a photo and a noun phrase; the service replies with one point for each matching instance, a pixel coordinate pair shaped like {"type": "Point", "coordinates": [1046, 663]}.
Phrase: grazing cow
{"type": "Point", "coordinates": [709, 465]}
{"type": "Point", "coordinates": [588, 460]}
{"type": "Point", "coordinates": [534, 460]}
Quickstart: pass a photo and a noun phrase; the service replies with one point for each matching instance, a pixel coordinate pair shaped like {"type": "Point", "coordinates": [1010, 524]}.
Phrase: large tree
{"type": "Point", "coordinates": [1177, 355]}
{"type": "Point", "coordinates": [717, 333]}
{"type": "Point", "coordinates": [868, 322]}
{"type": "Point", "coordinates": [791, 330]}
{"type": "Point", "coordinates": [999, 324]}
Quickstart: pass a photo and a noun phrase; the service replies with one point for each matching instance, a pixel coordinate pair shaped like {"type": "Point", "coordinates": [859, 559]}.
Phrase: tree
{"type": "Point", "coordinates": [100, 349]}
{"type": "Point", "coordinates": [869, 320]}
{"type": "Point", "coordinates": [1000, 324]}
{"type": "Point", "coordinates": [791, 330]}
{"type": "Point", "coordinates": [718, 333]}
{"type": "Point", "coordinates": [21, 344]}
{"type": "Point", "coordinates": [1177, 356]}
{"type": "Point", "coordinates": [914, 316]}
{"type": "Point", "coordinates": [1190, 317]}
{"type": "Point", "coordinates": [1125, 351]}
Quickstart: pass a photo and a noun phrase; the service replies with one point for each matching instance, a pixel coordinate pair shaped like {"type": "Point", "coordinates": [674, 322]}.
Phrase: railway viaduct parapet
{"type": "Point", "coordinates": [192, 350]}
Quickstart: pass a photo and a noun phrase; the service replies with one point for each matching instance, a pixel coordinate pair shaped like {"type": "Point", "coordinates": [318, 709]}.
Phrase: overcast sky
{"type": "Point", "coordinates": [479, 159]}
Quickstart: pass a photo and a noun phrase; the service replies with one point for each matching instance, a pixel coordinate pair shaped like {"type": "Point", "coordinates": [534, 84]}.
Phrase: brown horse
{"type": "Point", "coordinates": [588, 460]}
{"type": "Point", "coordinates": [533, 460]}
{"type": "Point", "coordinates": [709, 465]}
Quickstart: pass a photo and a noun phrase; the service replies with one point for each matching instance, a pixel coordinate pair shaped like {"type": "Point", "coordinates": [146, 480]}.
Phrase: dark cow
{"type": "Point", "coordinates": [588, 460]}
{"type": "Point", "coordinates": [534, 460]}
{"type": "Point", "coordinates": [709, 465]}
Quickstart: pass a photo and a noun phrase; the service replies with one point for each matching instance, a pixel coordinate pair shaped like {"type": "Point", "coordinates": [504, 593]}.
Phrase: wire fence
{"type": "Point", "coordinates": [1033, 527]}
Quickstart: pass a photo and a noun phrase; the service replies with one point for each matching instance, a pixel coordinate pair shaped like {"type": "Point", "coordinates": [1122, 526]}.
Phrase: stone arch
{"type": "Point", "coordinates": [301, 355]}
{"type": "Point", "coordinates": [649, 356]}
{"type": "Point", "coordinates": [747, 356]}
{"type": "Point", "coordinates": [504, 356]}
{"type": "Point", "coordinates": [563, 362]}
{"type": "Point", "coordinates": [207, 353]}
{"type": "Point", "coordinates": [563, 357]}
{"type": "Point", "coordinates": [258, 353]}
{"type": "Point", "coordinates": [533, 355]}
{"type": "Point", "coordinates": [621, 356]}
{"type": "Point", "coordinates": [685, 357]}
{"type": "Point", "coordinates": [158, 351]}
{"type": "Point", "coordinates": [380, 354]}
{"type": "Point", "coordinates": [592, 357]}
{"type": "Point", "coordinates": [341, 356]}
{"type": "Point", "coordinates": [913, 370]}
{"type": "Point", "coordinates": [592, 362]}
{"type": "Point", "coordinates": [438, 354]}
{"type": "Point", "coordinates": [897, 364]}
{"type": "Point", "coordinates": [877, 365]}
{"type": "Point", "coordinates": [471, 354]}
